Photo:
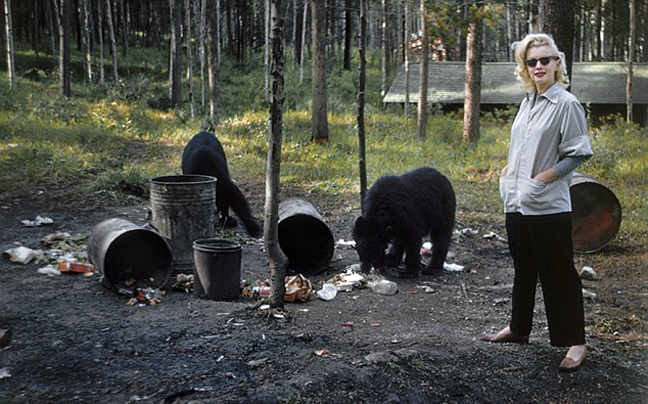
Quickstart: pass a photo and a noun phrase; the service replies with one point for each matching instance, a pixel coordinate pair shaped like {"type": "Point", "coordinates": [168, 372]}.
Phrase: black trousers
{"type": "Point", "coordinates": [541, 247]}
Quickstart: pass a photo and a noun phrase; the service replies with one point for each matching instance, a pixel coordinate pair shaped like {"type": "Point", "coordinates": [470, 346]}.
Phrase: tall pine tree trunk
{"type": "Point", "coordinates": [472, 99]}
{"type": "Point", "coordinates": [113, 39]}
{"type": "Point", "coordinates": [276, 258]}
{"type": "Point", "coordinates": [362, 157]}
{"type": "Point", "coordinates": [558, 21]}
{"type": "Point", "coordinates": [319, 120]}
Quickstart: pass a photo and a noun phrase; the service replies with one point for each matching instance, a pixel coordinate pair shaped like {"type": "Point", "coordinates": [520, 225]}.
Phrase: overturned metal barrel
{"type": "Point", "coordinates": [596, 214]}
{"type": "Point", "coordinates": [125, 252]}
{"type": "Point", "coordinates": [304, 237]}
{"type": "Point", "coordinates": [182, 210]}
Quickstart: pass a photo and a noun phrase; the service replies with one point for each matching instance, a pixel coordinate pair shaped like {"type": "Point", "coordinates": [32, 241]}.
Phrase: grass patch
{"type": "Point", "coordinates": [111, 140]}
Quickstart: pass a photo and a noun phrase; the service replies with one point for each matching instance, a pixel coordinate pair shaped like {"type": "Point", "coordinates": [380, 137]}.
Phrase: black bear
{"type": "Point", "coordinates": [397, 213]}
{"type": "Point", "coordinates": [204, 155]}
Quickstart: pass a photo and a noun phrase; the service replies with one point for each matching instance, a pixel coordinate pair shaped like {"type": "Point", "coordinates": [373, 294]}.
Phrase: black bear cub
{"type": "Point", "coordinates": [204, 155]}
{"type": "Point", "coordinates": [397, 213]}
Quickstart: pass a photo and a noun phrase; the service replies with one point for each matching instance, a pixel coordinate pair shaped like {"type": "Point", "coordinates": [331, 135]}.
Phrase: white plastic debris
{"type": "Point", "coordinates": [346, 281]}
{"type": "Point", "coordinates": [493, 235]}
{"type": "Point", "coordinates": [21, 255]}
{"type": "Point", "coordinates": [383, 287]}
{"type": "Point", "coordinates": [342, 242]}
{"type": "Point", "coordinates": [49, 270]}
{"type": "Point", "coordinates": [328, 292]}
{"type": "Point", "coordinates": [39, 221]}
{"type": "Point", "coordinates": [588, 274]}
{"type": "Point", "coordinates": [468, 231]}
{"type": "Point", "coordinates": [452, 267]}
{"type": "Point", "coordinates": [588, 295]}
{"type": "Point", "coordinates": [4, 373]}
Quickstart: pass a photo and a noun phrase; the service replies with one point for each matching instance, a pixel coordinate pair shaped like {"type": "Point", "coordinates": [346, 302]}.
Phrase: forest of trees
{"type": "Point", "coordinates": [601, 27]}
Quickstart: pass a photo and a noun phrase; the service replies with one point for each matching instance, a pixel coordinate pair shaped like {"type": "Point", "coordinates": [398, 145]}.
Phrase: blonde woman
{"type": "Point", "coordinates": [548, 142]}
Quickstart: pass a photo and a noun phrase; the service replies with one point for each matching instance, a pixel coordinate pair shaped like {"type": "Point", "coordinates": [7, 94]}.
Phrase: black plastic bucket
{"type": "Point", "coordinates": [217, 274]}
{"type": "Point", "coordinates": [304, 237]}
{"type": "Point", "coordinates": [124, 252]}
{"type": "Point", "coordinates": [183, 208]}
{"type": "Point", "coordinates": [596, 214]}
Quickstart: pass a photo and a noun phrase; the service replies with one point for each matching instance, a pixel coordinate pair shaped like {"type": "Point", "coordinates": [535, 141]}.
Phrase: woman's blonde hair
{"type": "Point", "coordinates": [530, 41]}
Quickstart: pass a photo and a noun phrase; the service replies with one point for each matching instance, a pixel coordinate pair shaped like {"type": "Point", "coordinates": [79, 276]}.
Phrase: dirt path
{"type": "Point", "coordinates": [77, 342]}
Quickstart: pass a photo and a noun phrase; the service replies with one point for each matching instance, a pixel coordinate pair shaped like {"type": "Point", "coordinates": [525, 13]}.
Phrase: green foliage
{"type": "Point", "coordinates": [105, 143]}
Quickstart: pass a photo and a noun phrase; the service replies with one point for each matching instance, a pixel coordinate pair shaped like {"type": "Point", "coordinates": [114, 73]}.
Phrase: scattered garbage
{"type": "Point", "coordinates": [49, 270]}
{"type": "Point", "coordinates": [39, 221]}
{"type": "Point", "coordinates": [468, 232]}
{"type": "Point", "coordinates": [452, 267]}
{"type": "Point", "coordinates": [349, 279]}
{"type": "Point", "coordinates": [588, 295]}
{"type": "Point", "coordinates": [298, 289]}
{"type": "Point", "coordinates": [258, 289]}
{"type": "Point", "coordinates": [328, 292]}
{"type": "Point", "coordinates": [492, 235]}
{"type": "Point", "coordinates": [21, 255]}
{"type": "Point", "coordinates": [588, 274]}
{"type": "Point", "coordinates": [344, 243]}
{"type": "Point", "coordinates": [383, 287]}
{"type": "Point", "coordinates": [183, 283]}
{"type": "Point", "coordinates": [146, 297]}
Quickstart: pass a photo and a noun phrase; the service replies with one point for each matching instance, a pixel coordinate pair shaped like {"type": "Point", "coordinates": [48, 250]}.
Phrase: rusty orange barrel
{"type": "Point", "coordinates": [596, 214]}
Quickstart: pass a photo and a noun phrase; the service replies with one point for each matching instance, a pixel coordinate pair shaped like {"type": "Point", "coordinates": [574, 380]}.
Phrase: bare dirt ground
{"type": "Point", "coordinates": [75, 341]}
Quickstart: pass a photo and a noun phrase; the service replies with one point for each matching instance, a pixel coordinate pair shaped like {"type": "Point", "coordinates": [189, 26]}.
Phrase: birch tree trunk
{"type": "Point", "coordinates": [303, 45]}
{"type": "Point", "coordinates": [102, 72]}
{"type": "Point", "coordinates": [201, 48]}
{"type": "Point", "coordinates": [175, 57]}
{"type": "Point", "coordinates": [276, 258]}
{"type": "Point", "coordinates": [213, 48]}
{"type": "Point", "coordinates": [64, 52]}
{"type": "Point", "coordinates": [190, 83]}
{"type": "Point", "coordinates": [266, 45]}
{"type": "Point", "coordinates": [423, 82]}
{"type": "Point", "coordinates": [362, 159]}
{"type": "Point", "coordinates": [11, 67]}
{"type": "Point", "coordinates": [85, 39]}
{"type": "Point", "coordinates": [407, 55]}
{"type": "Point", "coordinates": [631, 52]}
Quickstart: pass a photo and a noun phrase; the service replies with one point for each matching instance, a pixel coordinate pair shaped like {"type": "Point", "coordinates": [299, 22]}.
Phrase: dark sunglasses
{"type": "Point", "coordinates": [545, 61]}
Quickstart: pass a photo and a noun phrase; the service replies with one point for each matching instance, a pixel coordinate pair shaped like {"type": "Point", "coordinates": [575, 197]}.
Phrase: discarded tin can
{"type": "Point", "coordinates": [259, 292]}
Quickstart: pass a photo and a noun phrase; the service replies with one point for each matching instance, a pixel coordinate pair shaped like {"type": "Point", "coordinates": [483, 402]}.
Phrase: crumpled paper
{"type": "Point", "coordinates": [298, 288]}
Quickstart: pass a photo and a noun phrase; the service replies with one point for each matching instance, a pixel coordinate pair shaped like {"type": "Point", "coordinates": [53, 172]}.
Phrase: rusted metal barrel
{"type": "Point", "coordinates": [125, 252]}
{"type": "Point", "coordinates": [596, 214]}
{"type": "Point", "coordinates": [182, 210]}
{"type": "Point", "coordinates": [304, 237]}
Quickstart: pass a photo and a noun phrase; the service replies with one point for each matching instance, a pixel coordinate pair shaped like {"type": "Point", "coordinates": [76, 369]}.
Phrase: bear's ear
{"type": "Point", "coordinates": [388, 232]}
{"type": "Point", "coordinates": [359, 222]}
